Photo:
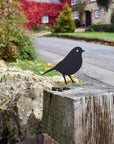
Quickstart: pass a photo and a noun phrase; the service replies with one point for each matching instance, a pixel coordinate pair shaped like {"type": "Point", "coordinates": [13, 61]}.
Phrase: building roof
{"type": "Point", "coordinates": [50, 1]}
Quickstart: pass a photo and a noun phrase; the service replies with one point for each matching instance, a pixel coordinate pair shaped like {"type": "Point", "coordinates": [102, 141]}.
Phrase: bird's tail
{"type": "Point", "coordinates": [48, 70]}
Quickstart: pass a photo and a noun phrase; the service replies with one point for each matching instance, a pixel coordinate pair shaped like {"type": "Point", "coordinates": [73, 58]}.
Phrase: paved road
{"type": "Point", "coordinates": [98, 59]}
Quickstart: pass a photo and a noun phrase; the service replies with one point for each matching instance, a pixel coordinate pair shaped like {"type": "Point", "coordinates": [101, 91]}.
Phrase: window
{"type": "Point", "coordinates": [73, 2]}
{"type": "Point", "coordinates": [97, 13]}
{"type": "Point", "coordinates": [45, 19]}
{"type": "Point", "coordinates": [75, 14]}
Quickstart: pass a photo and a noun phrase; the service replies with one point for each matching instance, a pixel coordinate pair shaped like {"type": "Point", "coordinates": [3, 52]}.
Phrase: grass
{"type": "Point", "coordinates": [106, 36]}
{"type": "Point", "coordinates": [38, 66]}
{"type": "Point", "coordinates": [99, 35]}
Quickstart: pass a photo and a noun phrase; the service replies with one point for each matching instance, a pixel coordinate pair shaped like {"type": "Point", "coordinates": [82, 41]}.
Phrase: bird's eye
{"type": "Point", "coordinates": [77, 50]}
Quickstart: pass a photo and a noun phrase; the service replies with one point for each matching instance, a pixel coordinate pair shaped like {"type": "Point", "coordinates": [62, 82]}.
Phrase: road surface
{"type": "Point", "coordinates": [98, 60]}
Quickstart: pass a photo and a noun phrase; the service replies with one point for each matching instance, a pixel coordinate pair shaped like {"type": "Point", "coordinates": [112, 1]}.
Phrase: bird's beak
{"type": "Point", "coordinates": [83, 50]}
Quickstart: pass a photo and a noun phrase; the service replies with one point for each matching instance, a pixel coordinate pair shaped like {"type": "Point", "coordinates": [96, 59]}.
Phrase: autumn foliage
{"type": "Point", "coordinates": [34, 11]}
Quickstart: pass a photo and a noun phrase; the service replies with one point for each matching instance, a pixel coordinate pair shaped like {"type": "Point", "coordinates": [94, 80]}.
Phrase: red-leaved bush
{"type": "Point", "coordinates": [66, 1]}
{"type": "Point", "coordinates": [34, 11]}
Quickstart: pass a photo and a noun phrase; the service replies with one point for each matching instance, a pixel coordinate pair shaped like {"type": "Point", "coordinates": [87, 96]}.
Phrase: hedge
{"type": "Point", "coordinates": [101, 28]}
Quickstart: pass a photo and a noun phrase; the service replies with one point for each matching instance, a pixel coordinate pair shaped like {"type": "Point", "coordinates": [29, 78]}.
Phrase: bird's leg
{"type": "Point", "coordinates": [71, 79]}
{"type": "Point", "coordinates": [65, 79]}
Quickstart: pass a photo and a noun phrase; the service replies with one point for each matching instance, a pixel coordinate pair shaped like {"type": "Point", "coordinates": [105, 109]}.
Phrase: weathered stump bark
{"type": "Point", "coordinates": [81, 114]}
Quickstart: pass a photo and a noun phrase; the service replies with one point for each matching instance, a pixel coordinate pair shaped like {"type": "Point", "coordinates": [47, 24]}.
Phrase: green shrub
{"type": "Point", "coordinates": [65, 22]}
{"type": "Point", "coordinates": [77, 23]}
{"type": "Point", "coordinates": [101, 28]}
{"type": "Point", "coordinates": [19, 47]}
{"type": "Point", "coordinates": [112, 17]}
{"type": "Point", "coordinates": [13, 42]}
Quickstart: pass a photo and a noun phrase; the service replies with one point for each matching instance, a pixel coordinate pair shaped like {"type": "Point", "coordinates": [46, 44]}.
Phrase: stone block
{"type": "Point", "coordinates": [79, 114]}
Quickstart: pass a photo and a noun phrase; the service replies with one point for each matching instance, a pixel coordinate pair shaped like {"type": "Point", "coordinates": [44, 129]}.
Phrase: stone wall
{"type": "Point", "coordinates": [21, 102]}
{"type": "Point", "coordinates": [80, 114]}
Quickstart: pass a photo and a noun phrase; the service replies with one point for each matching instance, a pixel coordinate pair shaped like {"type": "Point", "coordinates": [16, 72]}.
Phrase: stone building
{"type": "Point", "coordinates": [46, 11]}
{"type": "Point", "coordinates": [93, 14]}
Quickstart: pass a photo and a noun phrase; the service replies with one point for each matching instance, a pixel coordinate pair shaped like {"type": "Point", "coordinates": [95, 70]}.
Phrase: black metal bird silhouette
{"type": "Point", "coordinates": [70, 64]}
